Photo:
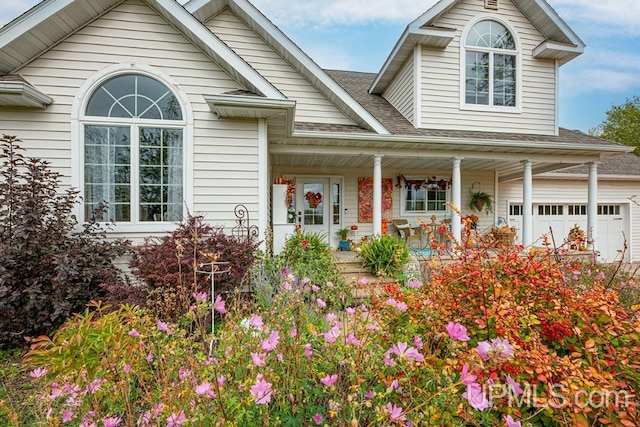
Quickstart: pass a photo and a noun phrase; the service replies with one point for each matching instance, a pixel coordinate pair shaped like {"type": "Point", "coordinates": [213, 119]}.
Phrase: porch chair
{"type": "Point", "coordinates": [408, 233]}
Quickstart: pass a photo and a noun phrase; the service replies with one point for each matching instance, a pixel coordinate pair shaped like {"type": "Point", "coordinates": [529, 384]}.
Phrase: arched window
{"type": "Point", "coordinates": [490, 65]}
{"type": "Point", "coordinates": [133, 151]}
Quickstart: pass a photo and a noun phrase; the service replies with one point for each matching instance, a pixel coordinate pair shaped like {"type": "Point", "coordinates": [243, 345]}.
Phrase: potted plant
{"type": "Point", "coordinates": [480, 199]}
{"type": "Point", "coordinates": [344, 243]}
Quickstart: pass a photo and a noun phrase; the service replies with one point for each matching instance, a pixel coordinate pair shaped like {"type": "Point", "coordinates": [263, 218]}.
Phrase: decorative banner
{"type": "Point", "coordinates": [365, 199]}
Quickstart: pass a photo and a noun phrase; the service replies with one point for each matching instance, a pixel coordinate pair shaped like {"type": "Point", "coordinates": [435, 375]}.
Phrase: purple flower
{"type": "Point", "coordinates": [68, 415]}
{"type": "Point", "coordinates": [218, 305]}
{"type": "Point", "coordinates": [200, 296]}
{"type": "Point", "coordinates": [415, 284]}
{"type": "Point", "coordinates": [351, 310]}
{"type": "Point", "coordinates": [515, 387]}
{"type": "Point", "coordinates": [256, 321]}
{"type": "Point", "coordinates": [271, 342]}
{"type": "Point", "coordinates": [502, 347]}
{"type": "Point", "coordinates": [321, 303]}
{"type": "Point", "coordinates": [127, 368]}
{"type": "Point", "coordinates": [38, 372]}
{"type": "Point", "coordinates": [315, 288]}
{"type": "Point", "coordinates": [176, 420]}
{"type": "Point", "coordinates": [364, 281]}
{"type": "Point", "coordinates": [329, 380]}
{"type": "Point", "coordinates": [402, 349]}
{"type": "Point", "coordinates": [476, 397]}
{"type": "Point", "coordinates": [332, 335]}
{"type": "Point", "coordinates": [307, 350]}
{"type": "Point", "coordinates": [484, 349]}
{"type": "Point", "coordinates": [258, 359]}
{"type": "Point", "coordinates": [397, 304]}
{"type": "Point", "coordinates": [352, 340]}
{"type": "Point", "coordinates": [164, 328]}
{"type": "Point", "coordinates": [465, 376]}
{"type": "Point", "coordinates": [204, 389]}
{"type": "Point", "coordinates": [261, 391]}
{"type": "Point", "coordinates": [457, 331]}
{"type": "Point", "coordinates": [134, 333]}
{"type": "Point", "coordinates": [511, 422]}
{"type": "Point", "coordinates": [417, 341]}
{"type": "Point", "coordinates": [317, 418]}
{"type": "Point", "coordinates": [395, 414]}
{"type": "Point", "coordinates": [111, 422]}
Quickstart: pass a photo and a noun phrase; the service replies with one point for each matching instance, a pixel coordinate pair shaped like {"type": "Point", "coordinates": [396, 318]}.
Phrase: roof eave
{"type": "Point", "coordinates": [557, 51]}
{"type": "Point", "coordinates": [437, 38]}
{"type": "Point", "coordinates": [251, 107]}
{"type": "Point", "coordinates": [21, 94]}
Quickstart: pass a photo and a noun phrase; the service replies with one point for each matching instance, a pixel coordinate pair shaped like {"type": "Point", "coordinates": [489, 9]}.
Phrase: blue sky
{"type": "Point", "coordinates": [359, 34]}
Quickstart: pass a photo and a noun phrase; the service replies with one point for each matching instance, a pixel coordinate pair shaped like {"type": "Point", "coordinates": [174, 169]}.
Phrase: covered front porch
{"type": "Point", "coordinates": [364, 182]}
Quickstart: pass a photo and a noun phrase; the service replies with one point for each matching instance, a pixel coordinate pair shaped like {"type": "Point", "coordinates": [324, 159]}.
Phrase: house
{"type": "Point", "coordinates": [161, 109]}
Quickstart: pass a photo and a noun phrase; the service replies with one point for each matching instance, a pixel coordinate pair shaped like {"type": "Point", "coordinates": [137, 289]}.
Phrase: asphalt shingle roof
{"type": "Point", "coordinates": [618, 164]}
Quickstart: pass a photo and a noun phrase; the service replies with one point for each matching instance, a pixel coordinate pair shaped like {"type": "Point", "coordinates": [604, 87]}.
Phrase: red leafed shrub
{"type": "Point", "coordinates": [48, 269]}
{"type": "Point", "coordinates": [168, 265]}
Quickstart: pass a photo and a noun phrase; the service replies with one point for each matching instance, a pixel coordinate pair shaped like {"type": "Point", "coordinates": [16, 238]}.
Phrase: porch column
{"type": "Point", "coordinates": [456, 200]}
{"type": "Point", "coordinates": [377, 195]}
{"type": "Point", "coordinates": [592, 206]}
{"type": "Point", "coordinates": [527, 204]}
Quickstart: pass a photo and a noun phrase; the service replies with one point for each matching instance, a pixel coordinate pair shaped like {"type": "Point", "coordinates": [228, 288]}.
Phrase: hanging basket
{"type": "Point", "coordinates": [504, 236]}
{"type": "Point", "coordinates": [478, 205]}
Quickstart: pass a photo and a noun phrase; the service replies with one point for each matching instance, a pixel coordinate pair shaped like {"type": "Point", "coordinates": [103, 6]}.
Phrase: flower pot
{"type": "Point", "coordinates": [478, 205]}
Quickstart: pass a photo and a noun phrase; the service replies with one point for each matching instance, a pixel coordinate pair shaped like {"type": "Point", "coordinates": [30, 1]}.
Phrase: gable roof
{"type": "Point", "coordinates": [203, 10]}
{"type": "Point", "coordinates": [561, 42]}
{"type": "Point", "coordinates": [627, 164]}
{"type": "Point", "coordinates": [51, 21]}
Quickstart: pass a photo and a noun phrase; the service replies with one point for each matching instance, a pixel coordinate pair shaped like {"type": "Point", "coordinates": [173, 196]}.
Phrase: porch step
{"type": "Point", "coordinates": [351, 269]}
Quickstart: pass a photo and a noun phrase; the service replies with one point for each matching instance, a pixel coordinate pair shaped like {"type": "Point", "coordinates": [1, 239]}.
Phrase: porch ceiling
{"type": "Point", "coordinates": [485, 156]}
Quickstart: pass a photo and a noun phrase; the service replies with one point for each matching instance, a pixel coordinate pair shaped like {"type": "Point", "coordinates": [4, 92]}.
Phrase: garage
{"type": "Point", "coordinates": [613, 224]}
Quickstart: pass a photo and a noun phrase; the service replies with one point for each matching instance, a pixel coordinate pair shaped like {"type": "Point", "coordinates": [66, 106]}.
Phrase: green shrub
{"type": "Point", "coordinates": [168, 265]}
{"type": "Point", "coordinates": [48, 269]}
{"type": "Point", "coordinates": [385, 255]}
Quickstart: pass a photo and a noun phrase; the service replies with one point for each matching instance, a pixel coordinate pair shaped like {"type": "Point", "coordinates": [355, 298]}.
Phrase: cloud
{"type": "Point", "coordinates": [621, 16]}
{"type": "Point", "coordinates": [14, 8]}
{"type": "Point", "coordinates": [295, 13]}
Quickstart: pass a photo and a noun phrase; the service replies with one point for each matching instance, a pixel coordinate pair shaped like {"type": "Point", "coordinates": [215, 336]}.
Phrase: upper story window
{"type": "Point", "coordinates": [133, 151]}
{"type": "Point", "coordinates": [491, 60]}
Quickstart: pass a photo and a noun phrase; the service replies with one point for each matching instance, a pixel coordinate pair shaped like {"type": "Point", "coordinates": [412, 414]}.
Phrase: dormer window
{"type": "Point", "coordinates": [491, 59]}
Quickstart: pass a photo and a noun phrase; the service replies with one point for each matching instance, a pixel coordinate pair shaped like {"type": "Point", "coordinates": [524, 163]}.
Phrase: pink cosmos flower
{"type": "Point", "coordinates": [515, 387]}
{"type": "Point", "coordinates": [395, 414]}
{"type": "Point", "coordinates": [38, 372]}
{"type": "Point", "coordinates": [258, 359]}
{"type": "Point", "coordinates": [150, 357]}
{"type": "Point", "coordinates": [394, 385]}
{"type": "Point", "coordinates": [200, 296]}
{"type": "Point", "coordinates": [352, 340]}
{"type": "Point", "coordinates": [164, 328]}
{"type": "Point", "coordinates": [307, 350]}
{"type": "Point", "coordinates": [415, 284]}
{"type": "Point", "coordinates": [369, 394]}
{"type": "Point", "coordinates": [502, 347]}
{"type": "Point", "coordinates": [256, 321]}
{"type": "Point", "coordinates": [417, 341]}
{"type": "Point", "coordinates": [402, 349]}
{"type": "Point", "coordinates": [351, 310]}
{"type": "Point", "coordinates": [476, 397]}
{"type": "Point", "coordinates": [205, 389]}
{"type": "Point", "coordinates": [332, 335]}
{"type": "Point", "coordinates": [329, 380]}
{"type": "Point", "coordinates": [329, 284]}
{"type": "Point", "coordinates": [221, 380]}
{"type": "Point", "coordinates": [317, 419]}
{"type": "Point", "coordinates": [218, 305]}
{"type": "Point", "coordinates": [68, 415]}
{"type": "Point", "coordinates": [315, 288]}
{"type": "Point", "coordinates": [293, 332]}
{"type": "Point", "coordinates": [261, 391]}
{"type": "Point", "coordinates": [271, 342]}
{"type": "Point", "coordinates": [457, 331]}
{"type": "Point", "coordinates": [331, 317]}
{"type": "Point", "coordinates": [484, 350]}
{"type": "Point", "coordinates": [112, 421]}
{"type": "Point", "coordinates": [280, 357]}
{"type": "Point", "coordinates": [397, 304]}
{"type": "Point", "coordinates": [176, 420]}
{"type": "Point", "coordinates": [511, 422]}
{"type": "Point", "coordinates": [134, 333]}
{"type": "Point", "coordinates": [321, 303]}
{"type": "Point", "coordinates": [364, 281]}
{"type": "Point", "coordinates": [127, 368]}
{"type": "Point", "coordinates": [465, 376]}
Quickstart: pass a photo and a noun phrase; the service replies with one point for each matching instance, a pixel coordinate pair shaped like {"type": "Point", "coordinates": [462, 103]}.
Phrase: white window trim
{"type": "Point", "coordinates": [463, 69]}
{"type": "Point", "coordinates": [403, 198]}
{"type": "Point", "coordinates": [78, 120]}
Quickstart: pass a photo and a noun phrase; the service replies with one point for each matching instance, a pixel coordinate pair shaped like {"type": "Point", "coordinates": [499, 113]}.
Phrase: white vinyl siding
{"type": "Point", "coordinates": [400, 92]}
{"type": "Point", "coordinates": [312, 106]}
{"type": "Point", "coordinates": [225, 153]}
{"type": "Point", "coordinates": [441, 80]}
{"type": "Point", "coordinates": [574, 192]}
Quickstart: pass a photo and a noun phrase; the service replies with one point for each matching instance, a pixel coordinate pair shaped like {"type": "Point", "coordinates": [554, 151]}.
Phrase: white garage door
{"type": "Point", "coordinates": [561, 218]}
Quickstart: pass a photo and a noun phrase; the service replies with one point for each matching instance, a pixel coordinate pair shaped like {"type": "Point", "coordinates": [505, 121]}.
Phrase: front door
{"type": "Point", "coordinates": [314, 202]}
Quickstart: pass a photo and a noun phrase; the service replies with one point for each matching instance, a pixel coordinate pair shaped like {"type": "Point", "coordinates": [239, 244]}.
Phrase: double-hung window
{"type": "Point", "coordinates": [491, 66]}
{"type": "Point", "coordinates": [424, 199]}
{"type": "Point", "coordinates": [133, 151]}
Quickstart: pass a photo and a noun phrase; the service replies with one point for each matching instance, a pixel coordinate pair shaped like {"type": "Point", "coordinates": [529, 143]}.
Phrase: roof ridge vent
{"type": "Point", "coordinates": [491, 4]}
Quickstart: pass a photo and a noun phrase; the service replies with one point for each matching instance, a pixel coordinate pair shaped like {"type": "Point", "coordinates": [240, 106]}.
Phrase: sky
{"type": "Point", "coordinates": [358, 35]}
